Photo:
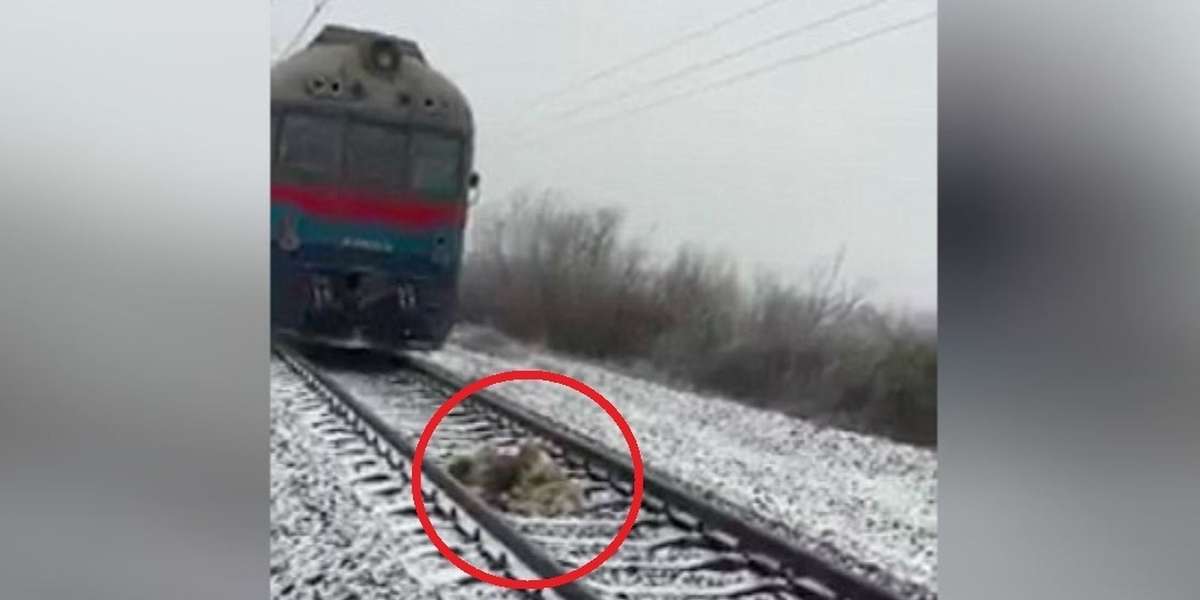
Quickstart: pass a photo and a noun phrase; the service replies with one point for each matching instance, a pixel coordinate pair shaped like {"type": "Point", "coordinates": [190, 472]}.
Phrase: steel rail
{"type": "Point", "coordinates": [525, 551]}
{"type": "Point", "coordinates": [765, 550]}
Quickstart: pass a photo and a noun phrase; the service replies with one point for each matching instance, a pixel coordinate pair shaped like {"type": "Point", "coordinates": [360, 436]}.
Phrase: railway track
{"type": "Point", "coordinates": [380, 482]}
{"type": "Point", "coordinates": [681, 547]}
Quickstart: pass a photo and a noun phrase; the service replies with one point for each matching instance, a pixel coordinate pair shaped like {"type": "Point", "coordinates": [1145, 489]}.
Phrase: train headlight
{"type": "Point", "coordinates": [406, 296]}
{"type": "Point", "coordinates": [321, 86]}
{"type": "Point", "coordinates": [317, 85]}
{"type": "Point", "coordinates": [289, 238]}
{"type": "Point", "coordinates": [384, 56]}
{"type": "Point", "coordinates": [384, 60]}
{"type": "Point", "coordinates": [441, 252]}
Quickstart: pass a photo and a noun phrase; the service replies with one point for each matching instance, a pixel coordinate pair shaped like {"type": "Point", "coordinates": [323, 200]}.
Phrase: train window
{"type": "Point", "coordinates": [435, 165]}
{"type": "Point", "coordinates": [309, 143]}
{"type": "Point", "coordinates": [375, 156]}
{"type": "Point", "coordinates": [274, 140]}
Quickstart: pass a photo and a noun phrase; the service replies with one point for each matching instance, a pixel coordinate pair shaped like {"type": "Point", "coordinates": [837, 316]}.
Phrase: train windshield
{"type": "Point", "coordinates": [380, 157]}
{"type": "Point", "coordinates": [309, 144]}
{"type": "Point", "coordinates": [436, 161]}
{"type": "Point", "coordinates": [375, 156]}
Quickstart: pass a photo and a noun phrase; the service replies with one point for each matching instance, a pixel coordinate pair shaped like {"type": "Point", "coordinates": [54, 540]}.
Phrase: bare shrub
{"type": "Point", "coordinates": [697, 298]}
{"type": "Point", "coordinates": [901, 398]}
{"type": "Point", "coordinates": [544, 271]}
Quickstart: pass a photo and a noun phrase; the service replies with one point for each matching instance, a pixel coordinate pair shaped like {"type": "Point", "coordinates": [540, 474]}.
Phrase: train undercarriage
{"type": "Point", "coordinates": [361, 307]}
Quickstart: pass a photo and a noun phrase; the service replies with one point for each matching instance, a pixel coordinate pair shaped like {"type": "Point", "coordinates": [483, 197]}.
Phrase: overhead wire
{"type": "Point", "coordinates": [653, 52]}
{"type": "Point", "coordinates": [318, 6]}
{"type": "Point", "coordinates": [721, 59]}
{"type": "Point", "coordinates": [742, 76]}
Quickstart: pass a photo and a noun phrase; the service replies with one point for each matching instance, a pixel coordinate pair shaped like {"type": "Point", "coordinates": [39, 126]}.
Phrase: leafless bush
{"type": "Point", "coordinates": [562, 277]}
{"type": "Point", "coordinates": [542, 271]}
{"type": "Point", "coordinates": [697, 298]}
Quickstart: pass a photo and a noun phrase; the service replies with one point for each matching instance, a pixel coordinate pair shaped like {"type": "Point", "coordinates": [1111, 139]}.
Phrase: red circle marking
{"type": "Point", "coordinates": [527, 375]}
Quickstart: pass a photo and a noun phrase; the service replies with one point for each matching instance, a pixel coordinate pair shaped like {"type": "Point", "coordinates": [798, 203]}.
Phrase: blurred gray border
{"type": "Point", "coordinates": [133, 305]}
{"type": "Point", "coordinates": [1068, 268]}
{"type": "Point", "coordinates": [133, 322]}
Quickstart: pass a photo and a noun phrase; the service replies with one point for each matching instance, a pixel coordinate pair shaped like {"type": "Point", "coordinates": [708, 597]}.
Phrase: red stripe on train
{"type": "Point", "coordinates": [405, 210]}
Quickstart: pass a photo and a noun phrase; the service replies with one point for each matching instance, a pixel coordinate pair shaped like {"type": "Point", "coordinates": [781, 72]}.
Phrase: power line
{"type": "Point", "coordinates": [708, 64]}
{"type": "Point", "coordinates": [687, 37]}
{"type": "Point", "coordinates": [318, 6]}
{"type": "Point", "coordinates": [748, 74]}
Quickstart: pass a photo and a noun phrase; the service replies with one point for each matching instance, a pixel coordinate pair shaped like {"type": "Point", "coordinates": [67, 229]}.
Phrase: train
{"type": "Point", "coordinates": [371, 178]}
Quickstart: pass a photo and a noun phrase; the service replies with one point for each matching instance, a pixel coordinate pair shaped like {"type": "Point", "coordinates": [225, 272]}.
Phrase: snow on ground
{"type": "Point", "coordinates": [327, 541]}
{"type": "Point", "coordinates": [865, 501]}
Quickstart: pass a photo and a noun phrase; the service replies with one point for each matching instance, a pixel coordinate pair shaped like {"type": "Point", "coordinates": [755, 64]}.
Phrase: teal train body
{"type": "Point", "coordinates": [371, 170]}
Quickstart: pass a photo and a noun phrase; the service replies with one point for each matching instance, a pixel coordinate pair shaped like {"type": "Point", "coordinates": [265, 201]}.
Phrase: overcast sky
{"type": "Point", "coordinates": [777, 170]}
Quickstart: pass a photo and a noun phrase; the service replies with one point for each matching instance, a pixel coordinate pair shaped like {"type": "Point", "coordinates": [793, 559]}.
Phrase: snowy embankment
{"type": "Point", "coordinates": [327, 539]}
{"type": "Point", "coordinates": [867, 502]}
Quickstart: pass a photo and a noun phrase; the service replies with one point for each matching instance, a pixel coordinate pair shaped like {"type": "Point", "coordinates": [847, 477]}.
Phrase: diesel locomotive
{"type": "Point", "coordinates": [371, 178]}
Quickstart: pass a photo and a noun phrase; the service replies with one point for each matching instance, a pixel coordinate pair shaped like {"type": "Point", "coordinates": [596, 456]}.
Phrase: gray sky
{"type": "Point", "coordinates": [777, 171]}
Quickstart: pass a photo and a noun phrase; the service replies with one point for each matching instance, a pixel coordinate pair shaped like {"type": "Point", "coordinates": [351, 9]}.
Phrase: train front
{"type": "Point", "coordinates": [371, 154]}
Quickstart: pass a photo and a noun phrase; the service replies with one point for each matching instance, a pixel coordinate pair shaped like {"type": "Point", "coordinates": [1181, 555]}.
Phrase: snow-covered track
{"type": "Point", "coordinates": [477, 533]}
{"type": "Point", "coordinates": [682, 545]}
